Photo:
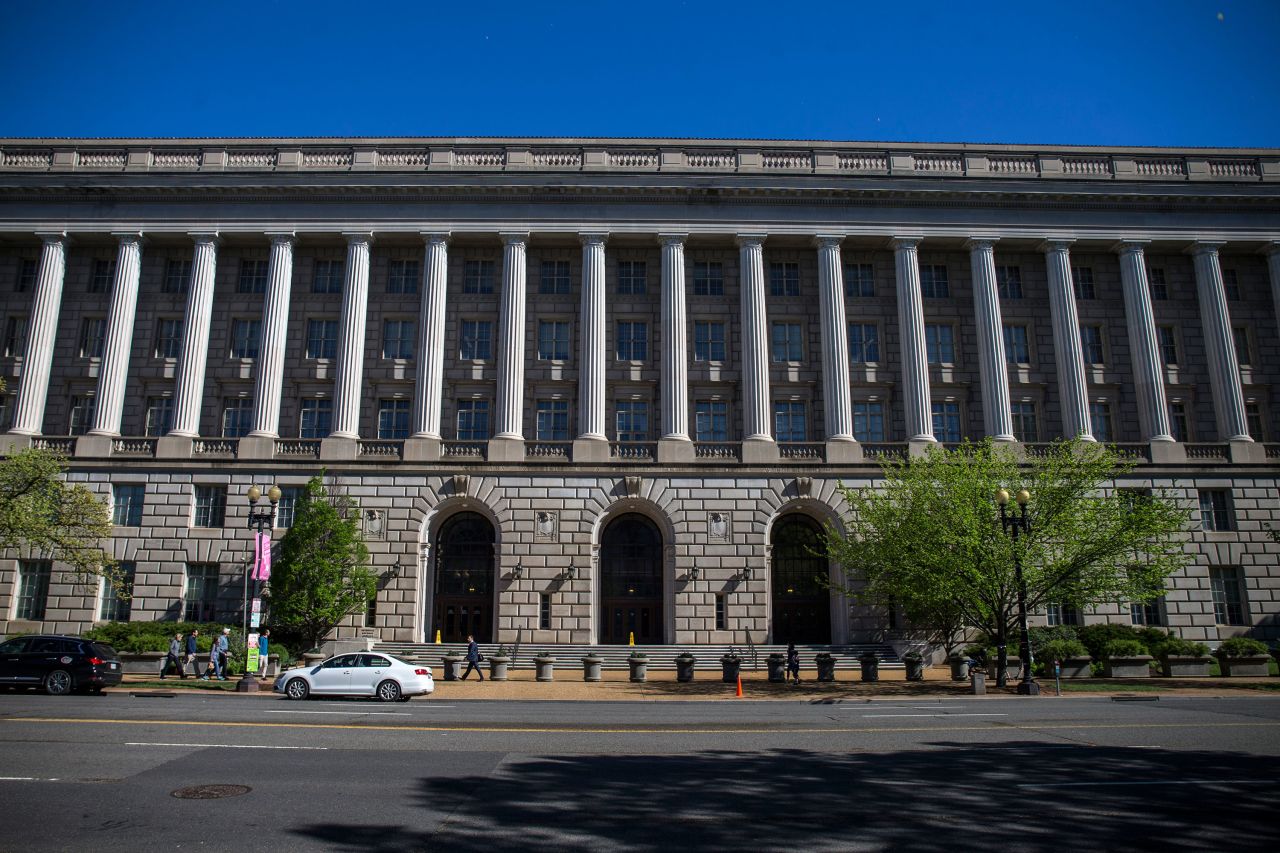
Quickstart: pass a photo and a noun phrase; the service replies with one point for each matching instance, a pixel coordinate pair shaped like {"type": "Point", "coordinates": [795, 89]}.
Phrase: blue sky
{"type": "Point", "coordinates": [1170, 72]}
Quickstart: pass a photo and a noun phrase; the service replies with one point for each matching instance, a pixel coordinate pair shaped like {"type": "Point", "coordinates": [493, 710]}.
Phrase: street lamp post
{"type": "Point", "coordinates": [261, 520]}
{"type": "Point", "coordinates": [1015, 526]}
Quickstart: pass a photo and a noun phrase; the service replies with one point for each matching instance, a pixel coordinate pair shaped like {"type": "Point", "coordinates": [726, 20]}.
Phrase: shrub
{"type": "Point", "coordinates": [1241, 647]}
{"type": "Point", "coordinates": [1050, 650]}
{"type": "Point", "coordinates": [1124, 649]}
{"type": "Point", "coordinates": [136, 637]}
{"type": "Point", "coordinates": [1175, 645]}
{"type": "Point", "coordinates": [1040, 635]}
{"type": "Point", "coordinates": [1097, 637]}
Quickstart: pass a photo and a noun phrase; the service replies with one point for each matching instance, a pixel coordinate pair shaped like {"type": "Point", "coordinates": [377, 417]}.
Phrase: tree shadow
{"type": "Point", "coordinates": [945, 797]}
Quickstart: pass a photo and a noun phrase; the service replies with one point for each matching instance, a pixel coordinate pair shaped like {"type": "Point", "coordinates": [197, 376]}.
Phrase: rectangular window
{"type": "Point", "coordinates": [1091, 344]}
{"type": "Point", "coordinates": [784, 278]}
{"type": "Point", "coordinates": [287, 509]}
{"type": "Point", "coordinates": [27, 274]}
{"type": "Point", "coordinates": [544, 612]}
{"type": "Point", "coordinates": [322, 339]}
{"type": "Point", "coordinates": [1241, 336]}
{"type": "Point", "coordinates": [711, 420]}
{"type": "Point", "coordinates": [477, 277]}
{"type": "Point", "coordinates": [1253, 418]}
{"type": "Point", "coordinates": [237, 417]}
{"type": "Point", "coordinates": [7, 402]}
{"type": "Point", "coordinates": [177, 276]}
{"type": "Point", "coordinates": [168, 337]}
{"type": "Point", "coordinates": [553, 420]}
{"type": "Point", "coordinates": [1100, 421]}
{"type": "Point", "coordinates": [111, 607]}
{"type": "Point", "coordinates": [83, 410]}
{"type": "Point", "coordinates": [789, 421]}
{"type": "Point", "coordinates": [402, 275]}
{"type": "Point", "coordinates": [1062, 614]}
{"type": "Point", "coordinates": [33, 589]}
{"type": "Point", "coordinates": [788, 342]}
{"type": "Point", "coordinates": [201, 599]}
{"type": "Point", "coordinates": [1159, 288]}
{"type": "Point", "coordinates": [864, 343]}
{"type": "Point", "coordinates": [475, 342]}
{"type": "Point", "coordinates": [859, 281]}
{"type": "Point", "coordinates": [1016, 348]}
{"type": "Point", "coordinates": [933, 281]}
{"type": "Point", "coordinates": [473, 420]}
{"type": "Point", "coordinates": [103, 276]}
{"type": "Point", "coordinates": [244, 338]}
{"type": "Point", "coordinates": [1009, 282]}
{"type": "Point", "coordinates": [253, 276]}
{"type": "Point", "coordinates": [868, 420]}
{"type": "Point", "coordinates": [93, 335]}
{"type": "Point", "coordinates": [15, 337]}
{"type": "Point", "coordinates": [1082, 278]}
{"type": "Point", "coordinates": [371, 611]}
{"type": "Point", "coordinates": [553, 340]}
{"type": "Point", "coordinates": [1231, 285]}
{"type": "Point", "coordinates": [632, 420]}
{"type": "Point", "coordinates": [1228, 603]}
{"type": "Point", "coordinates": [708, 278]}
{"type": "Point", "coordinates": [721, 622]}
{"type": "Point", "coordinates": [327, 276]}
{"type": "Point", "coordinates": [393, 419]}
{"type": "Point", "coordinates": [1178, 421]}
{"type": "Point", "coordinates": [708, 341]}
{"type": "Point", "coordinates": [554, 277]}
{"type": "Point", "coordinates": [159, 415]}
{"type": "Point", "coordinates": [1146, 613]}
{"type": "Point", "coordinates": [946, 422]}
{"type": "Point", "coordinates": [1026, 426]}
{"type": "Point", "coordinates": [398, 338]}
{"type": "Point", "coordinates": [211, 506]}
{"type": "Point", "coordinates": [939, 344]}
{"type": "Point", "coordinates": [632, 279]}
{"type": "Point", "coordinates": [1215, 510]}
{"type": "Point", "coordinates": [126, 504]}
{"type": "Point", "coordinates": [316, 418]}
{"type": "Point", "coordinates": [632, 341]}
{"type": "Point", "coordinates": [1167, 340]}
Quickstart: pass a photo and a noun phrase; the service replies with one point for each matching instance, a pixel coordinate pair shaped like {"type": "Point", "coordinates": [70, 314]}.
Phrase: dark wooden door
{"type": "Point", "coordinates": [464, 579]}
{"type": "Point", "coordinates": [631, 582]}
{"type": "Point", "coordinates": [801, 601]}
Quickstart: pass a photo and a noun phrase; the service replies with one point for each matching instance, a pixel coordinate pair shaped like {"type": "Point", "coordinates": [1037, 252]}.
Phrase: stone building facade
{"type": "Point", "coordinates": [590, 388]}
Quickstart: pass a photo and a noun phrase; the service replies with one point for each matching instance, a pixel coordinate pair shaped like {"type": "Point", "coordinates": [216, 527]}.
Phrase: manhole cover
{"type": "Point", "coordinates": [211, 792]}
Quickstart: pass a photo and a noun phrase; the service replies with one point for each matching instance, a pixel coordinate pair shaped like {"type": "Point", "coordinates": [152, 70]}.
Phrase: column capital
{"type": "Point", "coordinates": [828, 241]}
{"type": "Point", "coordinates": [1202, 247]}
{"type": "Point", "coordinates": [63, 238]}
{"type": "Point", "coordinates": [750, 240]}
{"type": "Point", "coordinates": [1128, 247]}
{"type": "Point", "coordinates": [981, 243]}
{"type": "Point", "coordinates": [436, 236]}
{"type": "Point", "coordinates": [673, 239]}
{"type": "Point", "coordinates": [128, 236]}
{"type": "Point", "coordinates": [199, 237]}
{"type": "Point", "coordinates": [1270, 249]}
{"type": "Point", "coordinates": [904, 242]}
{"type": "Point", "coordinates": [280, 237]}
{"type": "Point", "coordinates": [592, 238]}
{"type": "Point", "coordinates": [512, 238]}
{"type": "Point", "coordinates": [358, 237]}
{"type": "Point", "coordinates": [1056, 244]}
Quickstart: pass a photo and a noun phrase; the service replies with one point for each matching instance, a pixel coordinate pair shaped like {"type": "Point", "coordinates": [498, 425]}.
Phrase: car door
{"type": "Point", "coordinates": [11, 659]}
{"type": "Point", "coordinates": [334, 675]}
{"type": "Point", "coordinates": [41, 658]}
{"type": "Point", "coordinates": [373, 669]}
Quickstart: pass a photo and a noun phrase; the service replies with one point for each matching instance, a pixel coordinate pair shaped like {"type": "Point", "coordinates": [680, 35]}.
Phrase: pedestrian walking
{"type": "Point", "coordinates": [223, 646]}
{"type": "Point", "coordinates": [174, 656]}
{"type": "Point", "coordinates": [264, 643]}
{"type": "Point", "coordinates": [793, 663]}
{"type": "Point", "coordinates": [192, 654]}
{"type": "Point", "coordinates": [473, 658]}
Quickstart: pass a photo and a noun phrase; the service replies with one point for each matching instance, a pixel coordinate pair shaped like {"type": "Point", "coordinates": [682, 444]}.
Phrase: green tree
{"type": "Point", "coordinates": [321, 573]}
{"type": "Point", "coordinates": [928, 539]}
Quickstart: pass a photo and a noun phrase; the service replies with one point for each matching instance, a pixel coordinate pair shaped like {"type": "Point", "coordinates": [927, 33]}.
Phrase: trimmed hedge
{"type": "Point", "coordinates": [1124, 649]}
{"type": "Point", "coordinates": [1241, 647]}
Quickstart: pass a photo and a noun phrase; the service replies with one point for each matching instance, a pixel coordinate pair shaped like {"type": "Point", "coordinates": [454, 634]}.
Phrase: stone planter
{"type": "Point", "coordinates": [1080, 667]}
{"type": "Point", "coordinates": [777, 668]}
{"type": "Point", "coordinates": [591, 667]}
{"type": "Point", "coordinates": [1185, 666]}
{"type": "Point", "coordinates": [684, 667]}
{"type": "Point", "coordinates": [730, 669]}
{"type": "Point", "coordinates": [452, 667]}
{"type": "Point", "coordinates": [959, 667]}
{"type": "Point", "coordinates": [1137, 666]}
{"type": "Point", "coordinates": [1252, 666]}
{"type": "Point", "coordinates": [498, 667]}
{"type": "Point", "coordinates": [546, 668]}
{"type": "Point", "coordinates": [639, 669]}
{"type": "Point", "coordinates": [915, 668]}
{"type": "Point", "coordinates": [870, 667]}
{"type": "Point", "coordinates": [826, 666]}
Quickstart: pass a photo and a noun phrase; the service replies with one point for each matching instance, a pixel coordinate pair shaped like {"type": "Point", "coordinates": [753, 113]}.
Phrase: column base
{"type": "Point", "coordinates": [506, 450]}
{"type": "Point", "coordinates": [12, 442]}
{"type": "Point", "coordinates": [917, 447]}
{"type": "Point", "coordinates": [174, 447]}
{"type": "Point", "coordinates": [93, 446]}
{"type": "Point", "coordinates": [339, 449]}
{"type": "Point", "coordinates": [422, 448]}
{"type": "Point", "coordinates": [842, 451]}
{"type": "Point", "coordinates": [591, 450]}
{"type": "Point", "coordinates": [257, 447]}
{"type": "Point", "coordinates": [1247, 451]}
{"type": "Point", "coordinates": [675, 450]}
{"type": "Point", "coordinates": [759, 451]}
{"type": "Point", "coordinates": [1168, 452]}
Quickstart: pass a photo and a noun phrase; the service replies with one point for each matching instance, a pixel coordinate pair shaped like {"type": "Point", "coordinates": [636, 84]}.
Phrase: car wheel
{"type": "Point", "coordinates": [389, 691]}
{"type": "Point", "coordinates": [58, 683]}
{"type": "Point", "coordinates": [297, 688]}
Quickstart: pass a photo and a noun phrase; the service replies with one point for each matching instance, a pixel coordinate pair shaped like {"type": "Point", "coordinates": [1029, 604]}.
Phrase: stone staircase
{"type": "Point", "coordinates": [660, 657]}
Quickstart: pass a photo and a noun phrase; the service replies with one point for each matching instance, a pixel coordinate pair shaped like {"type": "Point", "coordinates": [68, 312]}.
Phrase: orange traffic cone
{"type": "Point", "coordinates": [739, 685]}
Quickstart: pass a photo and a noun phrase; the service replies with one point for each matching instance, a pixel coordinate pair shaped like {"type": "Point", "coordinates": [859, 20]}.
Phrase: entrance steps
{"type": "Point", "coordinates": [660, 657]}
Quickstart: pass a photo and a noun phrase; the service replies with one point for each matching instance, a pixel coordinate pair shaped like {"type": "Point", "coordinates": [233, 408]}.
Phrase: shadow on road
{"type": "Point", "coordinates": [949, 796]}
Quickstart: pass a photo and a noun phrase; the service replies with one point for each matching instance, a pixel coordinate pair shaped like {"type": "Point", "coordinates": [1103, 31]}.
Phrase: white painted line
{"type": "Point", "coordinates": [225, 746]}
{"type": "Point", "coordinates": [1142, 782]}
{"type": "Point", "coordinates": [348, 713]}
{"type": "Point", "coordinates": [867, 716]}
{"type": "Point", "coordinates": [25, 779]}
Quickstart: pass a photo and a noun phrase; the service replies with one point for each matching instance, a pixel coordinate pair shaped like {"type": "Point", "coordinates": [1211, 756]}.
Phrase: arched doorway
{"type": "Point", "coordinates": [464, 579]}
{"type": "Point", "coordinates": [801, 603]}
{"type": "Point", "coordinates": [631, 581]}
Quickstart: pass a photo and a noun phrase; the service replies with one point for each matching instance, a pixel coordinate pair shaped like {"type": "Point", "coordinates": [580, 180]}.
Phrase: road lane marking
{"type": "Point", "coordinates": [349, 713]}
{"type": "Point", "coordinates": [222, 745]}
{"type": "Point", "coordinates": [1144, 782]}
{"type": "Point", "coordinates": [25, 779]}
{"type": "Point", "coordinates": [940, 716]}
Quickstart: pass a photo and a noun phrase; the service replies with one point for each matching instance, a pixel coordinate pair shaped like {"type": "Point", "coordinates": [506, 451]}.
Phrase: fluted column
{"type": "Point", "coordinates": [511, 344]}
{"type": "Point", "coordinates": [1073, 392]}
{"type": "Point", "coordinates": [675, 342]}
{"type": "Point", "coordinates": [835, 348]}
{"type": "Point", "coordinates": [997, 416]}
{"type": "Point", "coordinates": [755, 340]}
{"type": "Point", "coordinates": [591, 371]}
{"type": "Point", "coordinates": [1153, 413]}
{"type": "Point", "coordinates": [429, 384]}
{"type": "Point", "coordinates": [915, 360]}
{"type": "Point", "coordinates": [269, 376]}
{"type": "Point", "coordinates": [350, 368]}
{"type": "Point", "coordinates": [120, 333]}
{"type": "Point", "coordinates": [28, 415]}
{"type": "Point", "coordinates": [1219, 345]}
{"type": "Point", "coordinates": [195, 337]}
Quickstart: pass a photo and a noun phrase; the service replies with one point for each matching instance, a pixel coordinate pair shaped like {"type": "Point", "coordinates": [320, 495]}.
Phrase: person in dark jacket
{"type": "Point", "coordinates": [192, 653]}
{"type": "Point", "coordinates": [793, 663]}
{"type": "Point", "coordinates": [473, 658]}
{"type": "Point", "coordinates": [174, 656]}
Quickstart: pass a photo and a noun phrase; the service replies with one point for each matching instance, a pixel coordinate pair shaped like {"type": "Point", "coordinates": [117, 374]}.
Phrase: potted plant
{"type": "Point", "coordinates": [639, 663]}
{"type": "Point", "coordinates": [1243, 656]}
{"type": "Point", "coordinates": [685, 663]}
{"type": "Point", "coordinates": [498, 663]}
{"type": "Point", "coordinates": [826, 666]}
{"type": "Point", "coordinates": [914, 662]}
{"type": "Point", "coordinates": [959, 666]}
{"type": "Point", "coordinates": [1126, 659]}
{"type": "Point", "coordinates": [452, 666]}
{"type": "Point", "coordinates": [1071, 657]}
{"type": "Point", "coordinates": [591, 666]}
{"type": "Point", "coordinates": [545, 665]}
{"type": "Point", "coordinates": [1181, 658]}
{"type": "Point", "coordinates": [731, 667]}
{"type": "Point", "coordinates": [777, 663]}
{"type": "Point", "coordinates": [870, 667]}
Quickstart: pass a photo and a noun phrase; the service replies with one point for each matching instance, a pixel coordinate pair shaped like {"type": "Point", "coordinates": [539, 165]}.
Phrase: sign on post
{"type": "Point", "coordinates": [251, 664]}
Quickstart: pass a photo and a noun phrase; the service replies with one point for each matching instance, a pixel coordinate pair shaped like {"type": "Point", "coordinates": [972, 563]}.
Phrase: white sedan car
{"type": "Point", "coordinates": [358, 674]}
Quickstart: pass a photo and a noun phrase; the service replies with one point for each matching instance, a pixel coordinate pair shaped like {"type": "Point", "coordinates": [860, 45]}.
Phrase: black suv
{"type": "Point", "coordinates": [59, 664]}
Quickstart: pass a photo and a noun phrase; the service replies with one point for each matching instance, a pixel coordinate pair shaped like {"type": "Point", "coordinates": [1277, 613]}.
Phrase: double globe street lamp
{"type": "Point", "coordinates": [1016, 525]}
{"type": "Point", "coordinates": [261, 520]}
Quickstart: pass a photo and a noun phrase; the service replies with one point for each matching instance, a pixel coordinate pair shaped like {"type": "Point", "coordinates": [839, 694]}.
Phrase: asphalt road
{"type": "Point", "coordinates": [101, 773]}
